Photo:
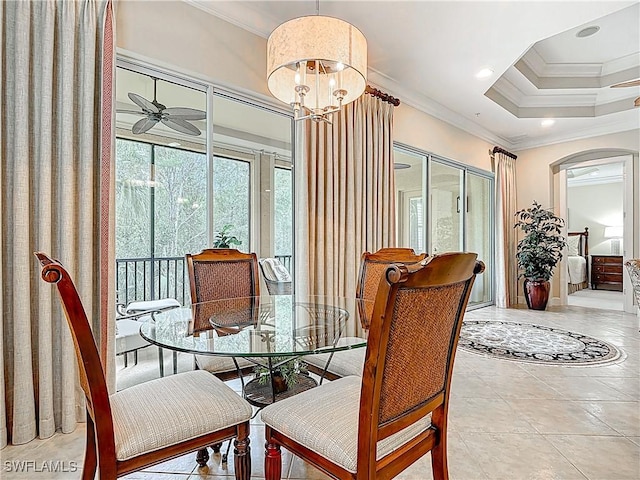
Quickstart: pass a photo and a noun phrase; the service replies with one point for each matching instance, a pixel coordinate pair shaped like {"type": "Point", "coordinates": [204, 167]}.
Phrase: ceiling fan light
{"type": "Point", "coordinates": [316, 64]}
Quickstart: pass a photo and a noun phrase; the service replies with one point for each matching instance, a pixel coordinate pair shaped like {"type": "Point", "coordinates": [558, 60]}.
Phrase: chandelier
{"type": "Point", "coordinates": [316, 64]}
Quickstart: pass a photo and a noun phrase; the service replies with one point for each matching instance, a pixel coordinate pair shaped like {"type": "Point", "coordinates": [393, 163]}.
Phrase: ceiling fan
{"type": "Point", "coordinates": [632, 83]}
{"type": "Point", "coordinates": [154, 112]}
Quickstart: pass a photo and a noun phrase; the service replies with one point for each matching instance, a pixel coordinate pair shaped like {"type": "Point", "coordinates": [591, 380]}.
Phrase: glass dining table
{"type": "Point", "coordinates": [268, 331]}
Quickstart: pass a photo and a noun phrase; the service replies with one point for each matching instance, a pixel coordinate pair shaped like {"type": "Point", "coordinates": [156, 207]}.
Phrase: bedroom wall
{"type": "Point", "coordinates": [183, 38]}
{"type": "Point", "coordinates": [596, 207]}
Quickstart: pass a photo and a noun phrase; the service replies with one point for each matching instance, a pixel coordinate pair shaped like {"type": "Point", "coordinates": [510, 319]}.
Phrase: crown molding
{"type": "Point", "coordinates": [589, 132]}
{"type": "Point", "coordinates": [239, 11]}
{"type": "Point", "coordinates": [433, 108]}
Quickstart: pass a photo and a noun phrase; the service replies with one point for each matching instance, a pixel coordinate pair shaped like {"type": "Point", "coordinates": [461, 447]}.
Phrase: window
{"type": "Point", "coordinates": [175, 189]}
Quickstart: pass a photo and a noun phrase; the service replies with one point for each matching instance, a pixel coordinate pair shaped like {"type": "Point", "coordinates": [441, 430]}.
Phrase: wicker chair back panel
{"type": "Point", "coordinates": [222, 280]}
{"type": "Point", "coordinates": [422, 330]}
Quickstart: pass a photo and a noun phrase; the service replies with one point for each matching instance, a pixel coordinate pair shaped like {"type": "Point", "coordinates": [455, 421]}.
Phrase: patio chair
{"type": "Point", "coordinates": [377, 425]}
{"type": "Point", "coordinates": [372, 267]}
{"type": "Point", "coordinates": [218, 274]}
{"type": "Point", "coordinates": [276, 276]}
{"type": "Point", "coordinates": [128, 322]}
{"type": "Point", "coordinates": [152, 422]}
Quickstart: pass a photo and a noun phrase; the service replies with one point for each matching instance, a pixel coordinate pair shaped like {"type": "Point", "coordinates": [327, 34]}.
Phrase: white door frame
{"type": "Point", "coordinates": [630, 213]}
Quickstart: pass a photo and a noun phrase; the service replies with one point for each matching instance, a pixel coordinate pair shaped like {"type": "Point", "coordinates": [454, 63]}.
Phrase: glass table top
{"type": "Point", "coordinates": [265, 326]}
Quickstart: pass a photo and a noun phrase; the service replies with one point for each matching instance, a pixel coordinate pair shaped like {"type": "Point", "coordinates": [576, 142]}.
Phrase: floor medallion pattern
{"type": "Point", "coordinates": [534, 343]}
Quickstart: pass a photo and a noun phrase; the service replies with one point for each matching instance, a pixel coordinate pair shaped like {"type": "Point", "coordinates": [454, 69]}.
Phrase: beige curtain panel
{"type": "Point", "coordinates": [506, 271]}
{"type": "Point", "coordinates": [345, 195]}
{"type": "Point", "coordinates": [56, 146]}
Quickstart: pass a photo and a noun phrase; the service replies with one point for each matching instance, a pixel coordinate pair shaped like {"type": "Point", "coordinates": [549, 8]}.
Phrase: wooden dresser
{"type": "Point", "coordinates": [606, 272]}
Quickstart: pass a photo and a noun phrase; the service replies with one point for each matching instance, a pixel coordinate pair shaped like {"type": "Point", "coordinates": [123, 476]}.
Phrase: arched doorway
{"type": "Point", "coordinates": [594, 160]}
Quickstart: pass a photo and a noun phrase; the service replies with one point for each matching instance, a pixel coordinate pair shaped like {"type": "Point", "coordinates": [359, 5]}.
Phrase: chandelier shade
{"type": "Point", "coordinates": [316, 64]}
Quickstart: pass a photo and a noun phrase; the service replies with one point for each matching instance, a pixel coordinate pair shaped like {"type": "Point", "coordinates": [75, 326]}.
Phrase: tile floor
{"type": "Point", "coordinates": [508, 420]}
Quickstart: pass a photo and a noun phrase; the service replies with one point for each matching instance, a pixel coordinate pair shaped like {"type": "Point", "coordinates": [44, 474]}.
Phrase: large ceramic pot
{"type": "Point", "coordinates": [537, 293]}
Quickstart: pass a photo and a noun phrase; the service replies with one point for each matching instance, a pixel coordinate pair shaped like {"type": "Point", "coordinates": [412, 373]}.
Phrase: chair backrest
{"type": "Point", "coordinates": [217, 274]}
{"type": "Point", "coordinates": [633, 267]}
{"type": "Point", "coordinates": [276, 276]}
{"type": "Point", "coordinates": [372, 267]}
{"type": "Point", "coordinates": [92, 377]}
{"type": "Point", "coordinates": [412, 341]}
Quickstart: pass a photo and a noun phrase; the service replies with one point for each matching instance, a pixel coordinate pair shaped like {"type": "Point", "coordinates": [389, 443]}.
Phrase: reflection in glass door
{"type": "Point", "coordinates": [479, 232]}
{"type": "Point", "coordinates": [446, 208]}
{"type": "Point", "coordinates": [410, 169]}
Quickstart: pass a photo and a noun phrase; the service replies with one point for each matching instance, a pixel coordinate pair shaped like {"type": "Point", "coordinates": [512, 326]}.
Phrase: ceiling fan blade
{"type": "Point", "coordinates": [181, 126]}
{"type": "Point", "coordinates": [632, 83]}
{"type": "Point", "coordinates": [131, 112]}
{"type": "Point", "coordinates": [185, 113]}
{"type": "Point", "coordinates": [143, 125]}
{"type": "Point", "coordinates": [143, 103]}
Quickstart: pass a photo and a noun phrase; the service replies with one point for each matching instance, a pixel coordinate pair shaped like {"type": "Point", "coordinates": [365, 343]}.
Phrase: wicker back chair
{"type": "Point", "coordinates": [633, 267]}
{"type": "Point", "coordinates": [373, 266]}
{"type": "Point", "coordinates": [377, 426]}
{"type": "Point", "coordinates": [219, 274]}
{"type": "Point", "coordinates": [230, 275]}
{"type": "Point", "coordinates": [136, 427]}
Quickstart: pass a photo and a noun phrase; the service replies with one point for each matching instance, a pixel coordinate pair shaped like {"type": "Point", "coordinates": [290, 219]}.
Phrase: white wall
{"type": "Point", "coordinates": [596, 207]}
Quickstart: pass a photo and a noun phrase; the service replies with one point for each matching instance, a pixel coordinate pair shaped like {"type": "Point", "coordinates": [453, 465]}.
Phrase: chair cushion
{"type": "Point", "coordinates": [170, 410]}
{"type": "Point", "coordinates": [215, 364]}
{"type": "Point", "coordinates": [325, 420]}
{"type": "Point", "coordinates": [274, 270]}
{"type": "Point", "coordinates": [344, 362]}
{"type": "Point", "coordinates": [161, 304]}
{"type": "Point", "coordinates": [128, 336]}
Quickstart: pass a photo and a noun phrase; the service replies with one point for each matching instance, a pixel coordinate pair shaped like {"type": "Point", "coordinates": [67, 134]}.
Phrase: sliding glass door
{"type": "Point", "coordinates": [458, 215]}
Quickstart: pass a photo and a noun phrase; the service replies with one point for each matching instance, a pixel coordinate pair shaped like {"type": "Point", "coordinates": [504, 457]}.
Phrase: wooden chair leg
{"type": "Point", "coordinates": [216, 447]}
{"type": "Point", "coordinates": [242, 453]}
{"type": "Point", "coordinates": [161, 361]}
{"type": "Point", "coordinates": [439, 451]}
{"type": "Point", "coordinates": [135, 357]}
{"type": "Point", "coordinates": [126, 359]}
{"type": "Point", "coordinates": [90, 456]}
{"type": "Point", "coordinates": [202, 457]}
{"type": "Point", "coordinates": [272, 459]}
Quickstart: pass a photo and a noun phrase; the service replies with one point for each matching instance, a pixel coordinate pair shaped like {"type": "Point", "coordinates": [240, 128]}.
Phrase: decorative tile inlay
{"type": "Point", "coordinates": [534, 343]}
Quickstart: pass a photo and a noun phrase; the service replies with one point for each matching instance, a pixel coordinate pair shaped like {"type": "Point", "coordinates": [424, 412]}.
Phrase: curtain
{"type": "Point", "coordinates": [56, 176]}
{"type": "Point", "coordinates": [345, 186]}
{"type": "Point", "coordinates": [506, 271]}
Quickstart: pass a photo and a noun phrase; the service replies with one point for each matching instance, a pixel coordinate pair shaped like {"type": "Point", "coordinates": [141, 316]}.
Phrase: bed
{"type": "Point", "coordinates": [577, 260]}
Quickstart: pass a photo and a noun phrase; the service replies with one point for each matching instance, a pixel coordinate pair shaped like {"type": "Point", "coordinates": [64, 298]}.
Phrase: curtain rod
{"type": "Point", "coordinates": [504, 152]}
{"type": "Point", "coordinates": [385, 97]}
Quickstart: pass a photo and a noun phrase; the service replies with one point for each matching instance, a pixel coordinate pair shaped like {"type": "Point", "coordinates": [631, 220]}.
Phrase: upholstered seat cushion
{"type": "Point", "coordinates": [216, 364]}
{"type": "Point", "coordinates": [128, 336]}
{"type": "Point", "coordinates": [344, 362]}
{"type": "Point", "coordinates": [169, 410]}
{"type": "Point", "coordinates": [325, 420]}
{"type": "Point", "coordinates": [162, 304]}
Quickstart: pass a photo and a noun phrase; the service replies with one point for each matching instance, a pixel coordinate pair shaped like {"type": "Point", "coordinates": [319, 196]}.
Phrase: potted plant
{"type": "Point", "coordinates": [224, 239]}
{"type": "Point", "coordinates": [285, 375]}
{"type": "Point", "coordinates": [538, 252]}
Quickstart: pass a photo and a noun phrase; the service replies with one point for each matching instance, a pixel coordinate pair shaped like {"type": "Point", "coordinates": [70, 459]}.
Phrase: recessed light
{"type": "Point", "coordinates": [484, 73]}
{"type": "Point", "coordinates": [547, 122]}
{"type": "Point", "coordinates": [174, 144]}
{"type": "Point", "coordinates": [588, 31]}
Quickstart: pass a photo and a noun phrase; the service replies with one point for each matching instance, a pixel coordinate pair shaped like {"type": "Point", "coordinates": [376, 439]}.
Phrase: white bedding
{"type": "Point", "coordinates": [577, 269]}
